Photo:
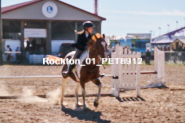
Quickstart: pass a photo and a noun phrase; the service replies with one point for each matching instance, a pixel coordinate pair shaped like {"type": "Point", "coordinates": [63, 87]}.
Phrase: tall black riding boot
{"type": "Point", "coordinates": [68, 72]}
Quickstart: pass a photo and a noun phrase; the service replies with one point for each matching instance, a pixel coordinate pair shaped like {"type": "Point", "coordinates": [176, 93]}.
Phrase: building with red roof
{"type": "Point", "coordinates": [43, 25]}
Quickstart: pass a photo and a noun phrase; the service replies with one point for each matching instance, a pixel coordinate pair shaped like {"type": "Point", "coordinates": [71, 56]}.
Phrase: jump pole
{"type": "Point", "coordinates": [30, 77]}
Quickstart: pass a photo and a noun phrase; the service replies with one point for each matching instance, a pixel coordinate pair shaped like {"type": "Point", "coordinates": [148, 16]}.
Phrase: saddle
{"type": "Point", "coordinates": [76, 70]}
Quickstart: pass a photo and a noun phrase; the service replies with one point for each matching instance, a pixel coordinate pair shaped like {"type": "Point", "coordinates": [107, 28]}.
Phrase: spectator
{"type": "Point", "coordinates": [34, 45]}
{"type": "Point", "coordinates": [22, 56]}
{"type": "Point", "coordinates": [113, 49]}
{"type": "Point", "coordinates": [18, 55]}
{"type": "Point", "coordinates": [183, 49]}
{"type": "Point", "coordinates": [168, 48]}
{"type": "Point", "coordinates": [162, 48]}
{"type": "Point", "coordinates": [152, 48]}
{"type": "Point", "coordinates": [8, 51]}
{"type": "Point", "coordinates": [180, 48]}
{"type": "Point", "coordinates": [148, 55]}
{"type": "Point", "coordinates": [173, 49]}
{"type": "Point", "coordinates": [128, 49]}
{"type": "Point", "coordinates": [27, 51]}
{"type": "Point", "coordinates": [165, 48]}
{"type": "Point", "coordinates": [27, 45]}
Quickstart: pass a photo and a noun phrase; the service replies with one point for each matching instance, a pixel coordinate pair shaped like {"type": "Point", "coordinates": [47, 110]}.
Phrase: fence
{"type": "Point", "coordinates": [173, 57]}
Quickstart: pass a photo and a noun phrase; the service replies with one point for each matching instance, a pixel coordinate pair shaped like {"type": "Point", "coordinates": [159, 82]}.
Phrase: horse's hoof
{"type": "Point", "coordinates": [79, 105]}
{"type": "Point", "coordinates": [96, 104]}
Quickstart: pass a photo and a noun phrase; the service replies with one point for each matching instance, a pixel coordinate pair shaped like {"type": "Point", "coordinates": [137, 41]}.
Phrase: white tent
{"type": "Point", "coordinates": [166, 39]}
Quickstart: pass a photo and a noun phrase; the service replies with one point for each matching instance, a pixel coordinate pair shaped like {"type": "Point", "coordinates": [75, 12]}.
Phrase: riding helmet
{"type": "Point", "coordinates": [88, 24]}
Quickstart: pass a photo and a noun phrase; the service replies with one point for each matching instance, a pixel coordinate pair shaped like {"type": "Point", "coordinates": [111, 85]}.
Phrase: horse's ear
{"type": "Point", "coordinates": [104, 36]}
{"type": "Point", "coordinates": [94, 37]}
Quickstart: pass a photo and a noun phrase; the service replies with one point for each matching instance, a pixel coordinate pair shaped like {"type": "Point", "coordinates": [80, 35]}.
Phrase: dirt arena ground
{"type": "Point", "coordinates": [155, 105]}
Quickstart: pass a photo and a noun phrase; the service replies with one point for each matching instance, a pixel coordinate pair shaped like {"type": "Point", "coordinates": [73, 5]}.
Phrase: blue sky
{"type": "Point", "coordinates": [132, 16]}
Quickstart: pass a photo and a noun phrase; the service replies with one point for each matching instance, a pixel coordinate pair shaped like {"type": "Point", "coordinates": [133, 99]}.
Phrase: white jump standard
{"type": "Point", "coordinates": [129, 77]}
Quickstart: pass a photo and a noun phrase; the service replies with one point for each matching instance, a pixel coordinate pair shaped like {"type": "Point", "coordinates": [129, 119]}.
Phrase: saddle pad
{"type": "Point", "coordinates": [78, 67]}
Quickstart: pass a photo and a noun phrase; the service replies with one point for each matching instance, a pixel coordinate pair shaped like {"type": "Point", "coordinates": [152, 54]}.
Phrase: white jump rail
{"type": "Point", "coordinates": [129, 77]}
{"type": "Point", "coordinates": [30, 77]}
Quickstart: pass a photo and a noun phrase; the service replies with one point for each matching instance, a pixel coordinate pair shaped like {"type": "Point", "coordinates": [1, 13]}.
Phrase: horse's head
{"type": "Point", "coordinates": [98, 44]}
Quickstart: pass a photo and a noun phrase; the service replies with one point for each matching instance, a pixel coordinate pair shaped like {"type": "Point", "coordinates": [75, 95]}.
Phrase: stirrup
{"type": "Point", "coordinates": [65, 73]}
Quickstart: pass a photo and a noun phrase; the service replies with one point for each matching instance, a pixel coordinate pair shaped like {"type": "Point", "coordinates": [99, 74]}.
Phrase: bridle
{"type": "Point", "coordinates": [99, 54]}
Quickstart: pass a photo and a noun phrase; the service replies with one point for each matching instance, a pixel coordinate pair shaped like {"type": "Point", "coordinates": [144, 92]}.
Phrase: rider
{"type": "Point", "coordinates": [83, 38]}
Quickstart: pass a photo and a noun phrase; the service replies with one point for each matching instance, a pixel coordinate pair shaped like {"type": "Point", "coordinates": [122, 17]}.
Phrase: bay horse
{"type": "Point", "coordinates": [96, 48]}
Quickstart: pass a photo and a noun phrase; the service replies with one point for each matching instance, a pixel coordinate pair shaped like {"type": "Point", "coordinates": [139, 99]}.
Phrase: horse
{"type": "Point", "coordinates": [96, 49]}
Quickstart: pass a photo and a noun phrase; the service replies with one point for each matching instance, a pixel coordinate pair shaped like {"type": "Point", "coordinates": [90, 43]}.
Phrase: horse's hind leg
{"type": "Point", "coordinates": [63, 89]}
{"type": "Point", "coordinates": [98, 83]}
{"type": "Point", "coordinates": [83, 93]}
{"type": "Point", "coordinates": [76, 94]}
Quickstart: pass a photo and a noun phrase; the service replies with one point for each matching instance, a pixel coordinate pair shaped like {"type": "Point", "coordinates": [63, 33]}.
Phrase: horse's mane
{"type": "Point", "coordinates": [94, 38]}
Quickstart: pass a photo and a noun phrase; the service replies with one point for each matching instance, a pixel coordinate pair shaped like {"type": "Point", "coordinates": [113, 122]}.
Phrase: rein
{"type": "Point", "coordinates": [96, 45]}
{"type": "Point", "coordinates": [97, 67]}
{"type": "Point", "coordinates": [93, 49]}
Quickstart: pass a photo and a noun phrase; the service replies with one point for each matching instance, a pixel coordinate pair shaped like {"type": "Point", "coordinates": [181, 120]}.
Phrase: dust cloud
{"type": "Point", "coordinates": [4, 90]}
{"type": "Point", "coordinates": [29, 97]}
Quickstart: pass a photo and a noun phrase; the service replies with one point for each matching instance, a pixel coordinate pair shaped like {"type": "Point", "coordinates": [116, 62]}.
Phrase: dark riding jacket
{"type": "Point", "coordinates": [82, 41]}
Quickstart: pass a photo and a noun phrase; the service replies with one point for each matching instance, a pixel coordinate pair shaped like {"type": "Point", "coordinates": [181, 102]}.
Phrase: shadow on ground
{"type": "Point", "coordinates": [126, 99]}
{"type": "Point", "coordinates": [87, 115]}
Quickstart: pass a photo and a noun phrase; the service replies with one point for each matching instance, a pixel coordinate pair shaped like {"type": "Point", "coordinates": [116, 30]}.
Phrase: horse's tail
{"type": "Point", "coordinates": [54, 58]}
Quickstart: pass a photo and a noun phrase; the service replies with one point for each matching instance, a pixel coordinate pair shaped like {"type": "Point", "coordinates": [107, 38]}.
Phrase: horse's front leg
{"type": "Point", "coordinates": [78, 104]}
{"type": "Point", "coordinates": [98, 83]}
{"type": "Point", "coordinates": [63, 89]}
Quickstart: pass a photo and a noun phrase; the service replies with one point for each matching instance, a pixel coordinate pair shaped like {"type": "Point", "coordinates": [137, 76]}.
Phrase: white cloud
{"type": "Point", "coordinates": [163, 13]}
